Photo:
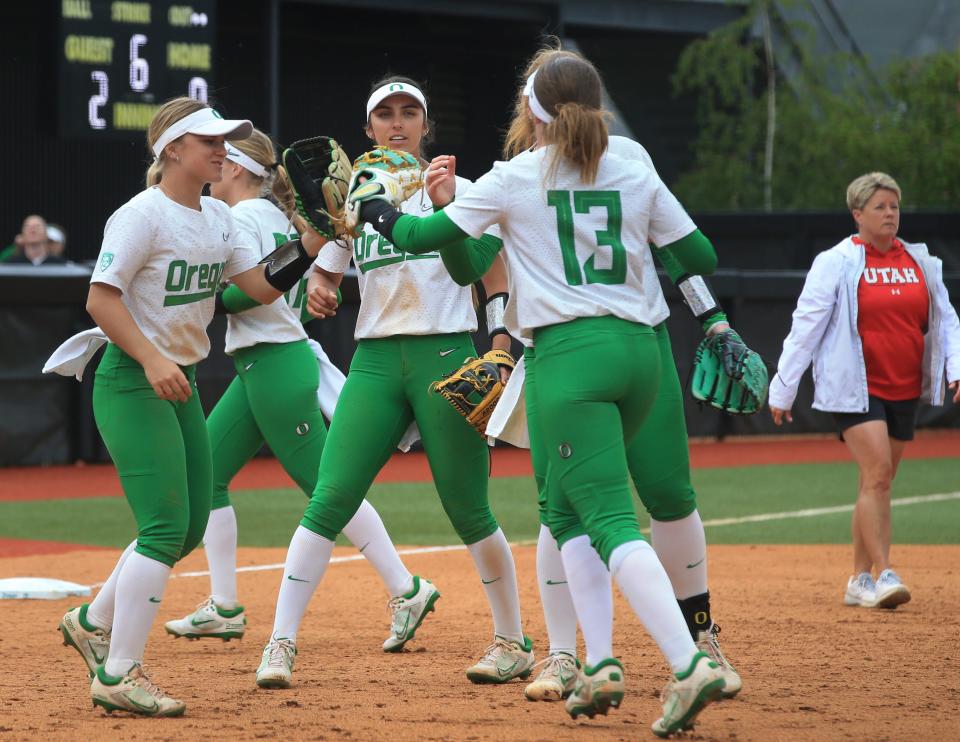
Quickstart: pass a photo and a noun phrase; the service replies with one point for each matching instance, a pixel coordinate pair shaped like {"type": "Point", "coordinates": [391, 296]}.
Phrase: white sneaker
{"type": "Point", "coordinates": [556, 680]}
{"type": "Point", "coordinates": [598, 689]}
{"type": "Point", "coordinates": [408, 613]}
{"type": "Point", "coordinates": [687, 695]}
{"type": "Point", "coordinates": [709, 644]}
{"type": "Point", "coordinates": [861, 591]}
{"type": "Point", "coordinates": [276, 665]}
{"type": "Point", "coordinates": [504, 660]}
{"type": "Point", "coordinates": [92, 643]}
{"type": "Point", "coordinates": [210, 621]}
{"type": "Point", "coordinates": [133, 691]}
{"type": "Point", "coordinates": [890, 591]}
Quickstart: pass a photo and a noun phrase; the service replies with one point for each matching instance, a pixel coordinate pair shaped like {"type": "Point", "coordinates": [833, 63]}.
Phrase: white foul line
{"type": "Point", "coordinates": [760, 518]}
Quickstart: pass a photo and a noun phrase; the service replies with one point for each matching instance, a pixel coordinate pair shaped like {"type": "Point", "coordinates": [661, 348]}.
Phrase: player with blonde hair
{"type": "Point", "coordinates": [152, 292]}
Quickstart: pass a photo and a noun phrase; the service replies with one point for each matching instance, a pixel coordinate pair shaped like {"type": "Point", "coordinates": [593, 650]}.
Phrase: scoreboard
{"type": "Point", "coordinates": [119, 61]}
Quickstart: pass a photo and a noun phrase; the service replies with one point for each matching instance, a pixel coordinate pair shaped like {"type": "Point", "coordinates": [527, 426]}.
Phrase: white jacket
{"type": "Point", "coordinates": [825, 331]}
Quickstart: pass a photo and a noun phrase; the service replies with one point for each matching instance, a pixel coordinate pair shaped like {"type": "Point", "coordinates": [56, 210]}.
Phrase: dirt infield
{"type": "Point", "coordinates": [812, 668]}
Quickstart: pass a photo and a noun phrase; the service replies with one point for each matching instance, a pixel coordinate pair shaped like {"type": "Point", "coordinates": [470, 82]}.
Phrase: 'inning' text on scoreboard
{"type": "Point", "coordinates": [119, 61]}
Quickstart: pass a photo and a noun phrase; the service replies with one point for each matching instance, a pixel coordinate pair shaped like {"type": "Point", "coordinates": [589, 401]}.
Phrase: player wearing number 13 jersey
{"type": "Point", "coordinates": [576, 222]}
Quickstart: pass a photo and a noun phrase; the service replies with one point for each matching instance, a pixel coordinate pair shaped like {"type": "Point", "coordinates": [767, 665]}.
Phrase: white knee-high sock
{"type": "Point", "coordinates": [367, 532]}
{"type": "Point", "coordinates": [642, 579]}
{"type": "Point", "coordinates": [307, 560]}
{"type": "Point", "coordinates": [220, 544]}
{"type": "Point", "coordinates": [140, 589]}
{"type": "Point", "coordinates": [592, 593]}
{"type": "Point", "coordinates": [558, 610]}
{"type": "Point", "coordinates": [494, 562]}
{"type": "Point", "coordinates": [100, 610]}
{"type": "Point", "coordinates": [681, 547]}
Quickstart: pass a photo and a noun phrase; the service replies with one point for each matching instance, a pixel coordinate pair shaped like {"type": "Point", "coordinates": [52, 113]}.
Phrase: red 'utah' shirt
{"type": "Point", "coordinates": [892, 320]}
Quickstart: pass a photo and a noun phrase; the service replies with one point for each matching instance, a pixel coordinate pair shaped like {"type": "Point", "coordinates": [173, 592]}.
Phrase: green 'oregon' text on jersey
{"type": "Point", "coordinates": [265, 227]}
{"type": "Point", "coordinates": [403, 294]}
{"type": "Point", "coordinates": [168, 261]}
{"type": "Point", "coordinates": [576, 250]}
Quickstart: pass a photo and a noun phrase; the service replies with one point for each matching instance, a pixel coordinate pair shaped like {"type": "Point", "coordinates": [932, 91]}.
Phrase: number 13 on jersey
{"type": "Point", "coordinates": [581, 203]}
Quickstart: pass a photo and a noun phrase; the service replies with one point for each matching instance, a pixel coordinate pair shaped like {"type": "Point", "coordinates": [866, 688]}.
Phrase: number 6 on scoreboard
{"type": "Point", "coordinates": [139, 69]}
{"type": "Point", "coordinates": [100, 99]}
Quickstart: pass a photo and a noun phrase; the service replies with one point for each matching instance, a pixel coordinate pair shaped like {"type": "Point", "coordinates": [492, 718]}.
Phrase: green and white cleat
{"type": "Point", "coordinates": [408, 612]}
{"type": "Point", "coordinates": [133, 692]}
{"type": "Point", "coordinates": [503, 661]}
{"type": "Point", "coordinates": [598, 689]}
{"type": "Point", "coordinates": [709, 644]}
{"type": "Point", "coordinates": [556, 680]}
{"type": "Point", "coordinates": [688, 694]}
{"type": "Point", "coordinates": [276, 665]}
{"type": "Point", "coordinates": [210, 621]}
{"type": "Point", "coordinates": [91, 642]}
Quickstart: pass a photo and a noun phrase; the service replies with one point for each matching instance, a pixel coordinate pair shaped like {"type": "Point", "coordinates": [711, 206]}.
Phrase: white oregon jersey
{"type": "Point", "coordinates": [574, 250]}
{"type": "Point", "coordinates": [265, 227]}
{"type": "Point", "coordinates": [168, 261]}
{"type": "Point", "coordinates": [400, 293]}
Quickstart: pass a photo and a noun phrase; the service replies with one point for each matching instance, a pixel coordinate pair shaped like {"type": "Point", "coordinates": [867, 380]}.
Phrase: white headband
{"type": "Point", "coordinates": [538, 110]}
{"type": "Point", "coordinates": [245, 161]}
{"type": "Point", "coordinates": [205, 122]}
{"type": "Point", "coordinates": [395, 88]}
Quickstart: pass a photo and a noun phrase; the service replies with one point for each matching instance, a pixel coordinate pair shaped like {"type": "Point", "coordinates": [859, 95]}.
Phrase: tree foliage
{"type": "Point", "coordinates": [833, 123]}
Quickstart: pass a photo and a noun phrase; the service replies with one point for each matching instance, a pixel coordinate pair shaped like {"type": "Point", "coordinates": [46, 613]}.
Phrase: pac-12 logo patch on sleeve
{"type": "Point", "coordinates": [105, 261]}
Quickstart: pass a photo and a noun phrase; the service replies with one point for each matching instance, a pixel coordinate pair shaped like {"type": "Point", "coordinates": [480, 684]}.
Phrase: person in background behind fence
{"type": "Point", "coordinates": [875, 319]}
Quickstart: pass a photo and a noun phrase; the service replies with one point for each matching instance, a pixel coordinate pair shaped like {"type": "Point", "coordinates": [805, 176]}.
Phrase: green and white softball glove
{"type": "Point", "coordinates": [728, 375]}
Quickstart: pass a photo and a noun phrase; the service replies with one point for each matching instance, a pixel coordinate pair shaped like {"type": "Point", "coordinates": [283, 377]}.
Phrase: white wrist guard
{"type": "Point", "coordinates": [698, 296]}
{"type": "Point", "coordinates": [496, 305]}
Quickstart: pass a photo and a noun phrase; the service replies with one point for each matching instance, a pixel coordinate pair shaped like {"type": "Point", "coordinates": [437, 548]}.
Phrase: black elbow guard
{"type": "Point", "coordinates": [698, 296]}
{"type": "Point", "coordinates": [286, 265]}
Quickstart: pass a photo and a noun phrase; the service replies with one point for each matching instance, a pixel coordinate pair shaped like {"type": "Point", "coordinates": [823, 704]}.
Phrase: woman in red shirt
{"type": "Point", "coordinates": [893, 294]}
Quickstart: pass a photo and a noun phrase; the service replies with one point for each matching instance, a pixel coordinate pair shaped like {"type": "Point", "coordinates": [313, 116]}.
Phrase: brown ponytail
{"type": "Point", "coordinates": [569, 89]}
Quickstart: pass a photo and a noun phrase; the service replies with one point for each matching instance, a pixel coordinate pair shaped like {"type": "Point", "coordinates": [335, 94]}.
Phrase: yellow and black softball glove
{"type": "Point", "coordinates": [319, 171]}
{"type": "Point", "coordinates": [382, 173]}
{"type": "Point", "coordinates": [475, 387]}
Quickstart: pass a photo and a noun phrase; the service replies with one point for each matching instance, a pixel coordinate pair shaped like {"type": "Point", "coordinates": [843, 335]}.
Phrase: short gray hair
{"type": "Point", "coordinates": [862, 189]}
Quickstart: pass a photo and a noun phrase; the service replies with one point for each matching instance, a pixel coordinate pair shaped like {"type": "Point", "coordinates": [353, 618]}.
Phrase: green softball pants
{"type": "Point", "coordinates": [161, 452]}
{"type": "Point", "coordinates": [388, 387]}
{"type": "Point", "coordinates": [272, 400]}
{"type": "Point", "coordinates": [658, 456]}
{"type": "Point", "coordinates": [604, 376]}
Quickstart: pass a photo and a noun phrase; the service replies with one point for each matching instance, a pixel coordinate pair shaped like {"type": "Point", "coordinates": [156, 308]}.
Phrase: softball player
{"type": "Point", "coordinates": [413, 328]}
{"type": "Point", "coordinates": [273, 399]}
{"type": "Point", "coordinates": [658, 460]}
{"type": "Point", "coordinates": [152, 292]}
{"type": "Point", "coordinates": [576, 223]}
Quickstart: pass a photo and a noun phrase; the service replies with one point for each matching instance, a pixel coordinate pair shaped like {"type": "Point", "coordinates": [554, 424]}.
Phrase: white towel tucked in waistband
{"type": "Point", "coordinates": [73, 355]}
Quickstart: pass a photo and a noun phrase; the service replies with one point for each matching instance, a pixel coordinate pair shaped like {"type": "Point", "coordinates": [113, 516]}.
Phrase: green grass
{"type": "Point", "coordinates": [413, 514]}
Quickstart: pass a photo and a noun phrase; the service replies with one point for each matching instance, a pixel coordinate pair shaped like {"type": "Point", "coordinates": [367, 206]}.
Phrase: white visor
{"type": "Point", "coordinates": [205, 122]}
{"type": "Point", "coordinates": [245, 161]}
{"type": "Point", "coordinates": [395, 88]}
{"type": "Point", "coordinates": [538, 110]}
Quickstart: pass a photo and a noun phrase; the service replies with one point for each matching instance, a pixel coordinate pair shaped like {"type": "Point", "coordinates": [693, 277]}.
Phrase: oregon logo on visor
{"type": "Point", "coordinates": [395, 86]}
{"type": "Point", "coordinates": [216, 113]}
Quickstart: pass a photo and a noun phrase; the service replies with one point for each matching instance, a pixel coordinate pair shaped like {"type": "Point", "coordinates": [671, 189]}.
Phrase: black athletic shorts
{"type": "Point", "coordinates": [900, 416]}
